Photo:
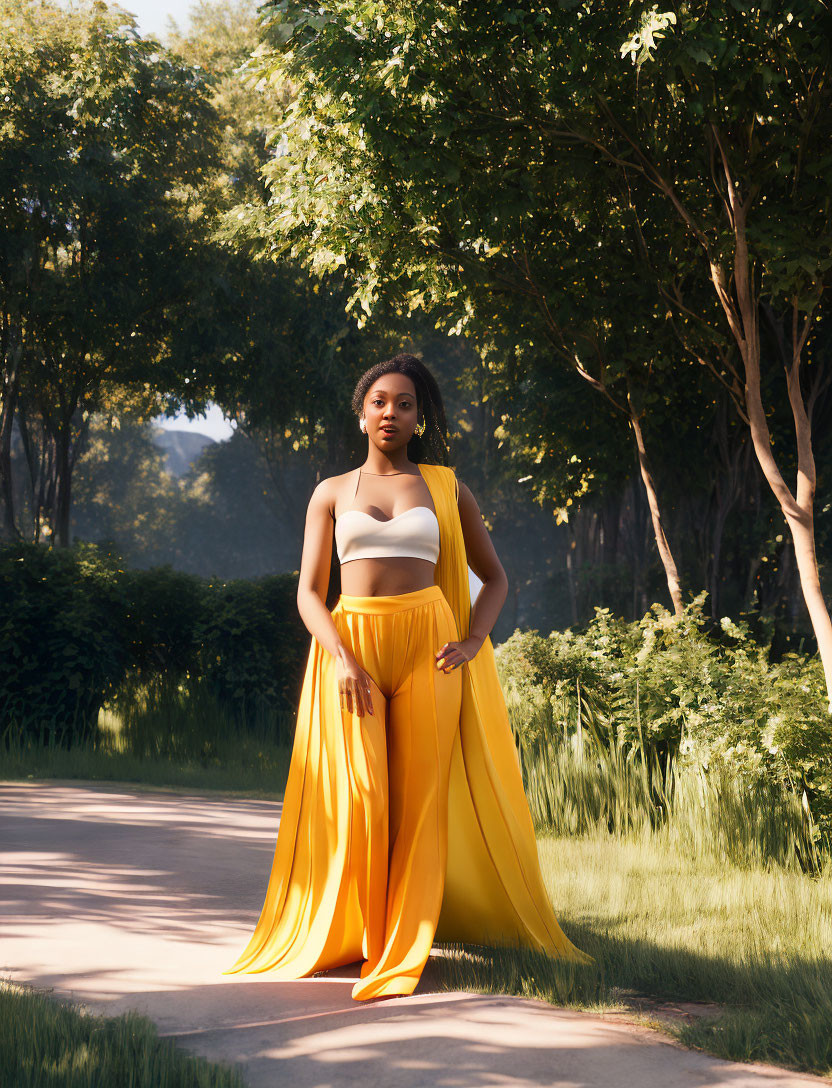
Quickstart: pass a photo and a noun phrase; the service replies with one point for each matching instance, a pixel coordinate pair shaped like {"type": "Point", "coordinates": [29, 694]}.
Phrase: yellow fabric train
{"type": "Point", "coordinates": [494, 892]}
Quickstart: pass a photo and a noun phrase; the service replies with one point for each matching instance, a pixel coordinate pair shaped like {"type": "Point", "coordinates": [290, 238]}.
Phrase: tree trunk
{"type": "Point", "coordinates": [570, 573]}
{"type": "Point", "coordinates": [8, 524]}
{"type": "Point", "coordinates": [726, 492]}
{"type": "Point", "coordinates": [39, 456]}
{"type": "Point", "coordinates": [665, 554]}
{"type": "Point", "coordinates": [63, 478]}
{"type": "Point", "coordinates": [798, 508]}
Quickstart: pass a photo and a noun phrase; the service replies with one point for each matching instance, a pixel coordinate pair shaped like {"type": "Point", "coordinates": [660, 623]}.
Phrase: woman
{"type": "Point", "coordinates": [404, 818]}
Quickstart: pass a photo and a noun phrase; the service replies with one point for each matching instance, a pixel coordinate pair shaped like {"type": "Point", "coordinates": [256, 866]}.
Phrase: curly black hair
{"type": "Point", "coordinates": [430, 448]}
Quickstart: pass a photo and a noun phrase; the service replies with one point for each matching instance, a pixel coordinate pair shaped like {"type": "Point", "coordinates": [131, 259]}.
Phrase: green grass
{"type": "Point", "coordinates": [245, 774]}
{"type": "Point", "coordinates": [682, 885]}
{"type": "Point", "coordinates": [756, 940]}
{"type": "Point", "coordinates": [47, 1043]}
{"type": "Point", "coordinates": [163, 738]}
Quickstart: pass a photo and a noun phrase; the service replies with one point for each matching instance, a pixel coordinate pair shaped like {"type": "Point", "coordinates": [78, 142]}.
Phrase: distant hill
{"type": "Point", "coordinates": [181, 448]}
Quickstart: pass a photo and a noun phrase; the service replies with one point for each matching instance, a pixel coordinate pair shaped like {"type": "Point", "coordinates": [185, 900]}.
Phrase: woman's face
{"type": "Point", "coordinates": [390, 411]}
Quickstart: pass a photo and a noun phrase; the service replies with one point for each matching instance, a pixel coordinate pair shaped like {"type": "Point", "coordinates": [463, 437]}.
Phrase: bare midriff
{"type": "Point", "coordinates": [384, 576]}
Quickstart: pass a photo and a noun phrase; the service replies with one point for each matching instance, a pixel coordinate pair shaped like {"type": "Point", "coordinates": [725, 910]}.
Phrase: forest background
{"type": "Point", "coordinates": [606, 231]}
{"type": "Point", "coordinates": [582, 352]}
{"type": "Point", "coordinates": [607, 228]}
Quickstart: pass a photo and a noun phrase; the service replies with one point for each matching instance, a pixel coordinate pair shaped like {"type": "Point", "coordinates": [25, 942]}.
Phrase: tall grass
{"type": "Point", "coordinates": [579, 779]}
{"type": "Point", "coordinates": [45, 1043]}
{"type": "Point", "coordinates": [162, 733]}
{"type": "Point", "coordinates": [685, 883]}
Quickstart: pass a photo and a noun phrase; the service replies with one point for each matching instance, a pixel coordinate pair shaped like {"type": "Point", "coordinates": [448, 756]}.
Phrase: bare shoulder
{"type": "Point", "coordinates": [327, 490]}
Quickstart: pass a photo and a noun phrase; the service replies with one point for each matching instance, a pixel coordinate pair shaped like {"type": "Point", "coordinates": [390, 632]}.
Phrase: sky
{"type": "Point", "coordinates": [213, 423]}
{"type": "Point", "coordinates": [151, 15]}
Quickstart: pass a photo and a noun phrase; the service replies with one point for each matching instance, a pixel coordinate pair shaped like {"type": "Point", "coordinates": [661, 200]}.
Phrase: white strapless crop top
{"type": "Point", "coordinates": [414, 532]}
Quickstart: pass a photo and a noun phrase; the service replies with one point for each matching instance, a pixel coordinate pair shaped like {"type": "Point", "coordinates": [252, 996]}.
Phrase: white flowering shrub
{"type": "Point", "coordinates": [668, 687]}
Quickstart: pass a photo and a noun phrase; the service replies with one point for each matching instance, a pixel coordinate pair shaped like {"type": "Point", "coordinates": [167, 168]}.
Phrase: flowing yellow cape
{"type": "Point", "coordinates": [494, 892]}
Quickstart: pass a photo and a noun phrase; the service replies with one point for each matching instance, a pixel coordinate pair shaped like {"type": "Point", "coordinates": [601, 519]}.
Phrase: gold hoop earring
{"type": "Point", "coordinates": [420, 430]}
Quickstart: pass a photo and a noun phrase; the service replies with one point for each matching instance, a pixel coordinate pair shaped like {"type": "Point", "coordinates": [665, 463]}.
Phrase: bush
{"type": "Point", "coordinates": [76, 629]}
{"type": "Point", "coordinates": [253, 645]}
{"type": "Point", "coordinates": [668, 688]}
{"type": "Point", "coordinates": [60, 654]}
{"type": "Point", "coordinates": [164, 610]}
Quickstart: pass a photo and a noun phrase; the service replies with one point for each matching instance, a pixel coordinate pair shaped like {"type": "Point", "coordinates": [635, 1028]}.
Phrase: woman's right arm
{"type": "Point", "coordinates": [312, 586]}
{"type": "Point", "coordinates": [314, 573]}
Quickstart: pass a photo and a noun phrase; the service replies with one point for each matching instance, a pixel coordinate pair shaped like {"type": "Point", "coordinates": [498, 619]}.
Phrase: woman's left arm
{"type": "Point", "coordinates": [484, 562]}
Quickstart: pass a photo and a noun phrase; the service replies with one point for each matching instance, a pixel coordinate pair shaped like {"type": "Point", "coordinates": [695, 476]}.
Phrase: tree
{"type": "Point", "coordinates": [404, 116]}
{"type": "Point", "coordinates": [102, 138]}
{"type": "Point", "coordinates": [743, 91]}
{"type": "Point", "coordinates": [420, 142]}
{"type": "Point", "coordinates": [268, 336]}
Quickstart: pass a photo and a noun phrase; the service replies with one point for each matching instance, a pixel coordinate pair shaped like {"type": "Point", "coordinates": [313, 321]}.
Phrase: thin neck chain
{"type": "Point", "coordinates": [386, 473]}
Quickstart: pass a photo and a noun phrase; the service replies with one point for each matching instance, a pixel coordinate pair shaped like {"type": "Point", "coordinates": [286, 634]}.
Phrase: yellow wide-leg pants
{"type": "Point", "coordinates": [360, 860]}
{"type": "Point", "coordinates": [411, 733]}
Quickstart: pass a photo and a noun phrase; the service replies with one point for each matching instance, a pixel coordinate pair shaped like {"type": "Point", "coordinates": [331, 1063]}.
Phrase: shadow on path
{"type": "Point", "coordinates": [126, 899]}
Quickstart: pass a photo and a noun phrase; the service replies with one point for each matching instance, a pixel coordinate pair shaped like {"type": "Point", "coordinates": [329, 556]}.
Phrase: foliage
{"type": "Point", "coordinates": [560, 180]}
{"type": "Point", "coordinates": [667, 689]}
{"type": "Point", "coordinates": [496, 93]}
{"type": "Point", "coordinates": [163, 615]}
{"type": "Point", "coordinates": [269, 336]}
{"type": "Point", "coordinates": [60, 651]}
{"type": "Point", "coordinates": [223, 516]}
{"type": "Point", "coordinates": [217, 37]}
{"type": "Point", "coordinates": [122, 491]}
{"type": "Point", "coordinates": [540, 269]}
{"type": "Point", "coordinates": [78, 630]}
{"type": "Point", "coordinates": [245, 618]}
{"type": "Point", "coordinates": [103, 141]}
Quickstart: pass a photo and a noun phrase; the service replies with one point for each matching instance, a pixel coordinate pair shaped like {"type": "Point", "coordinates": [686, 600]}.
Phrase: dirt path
{"type": "Point", "coordinates": [132, 898]}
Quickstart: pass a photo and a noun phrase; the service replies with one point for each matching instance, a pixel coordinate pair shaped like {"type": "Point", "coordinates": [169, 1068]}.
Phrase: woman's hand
{"type": "Point", "coordinates": [354, 688]}
{"type": "Point", "coordinates": [453, 654]}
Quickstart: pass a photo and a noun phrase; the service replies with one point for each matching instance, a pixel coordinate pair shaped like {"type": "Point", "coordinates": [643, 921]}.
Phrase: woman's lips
{"type": "Point", "coordinates": [389, 430]}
